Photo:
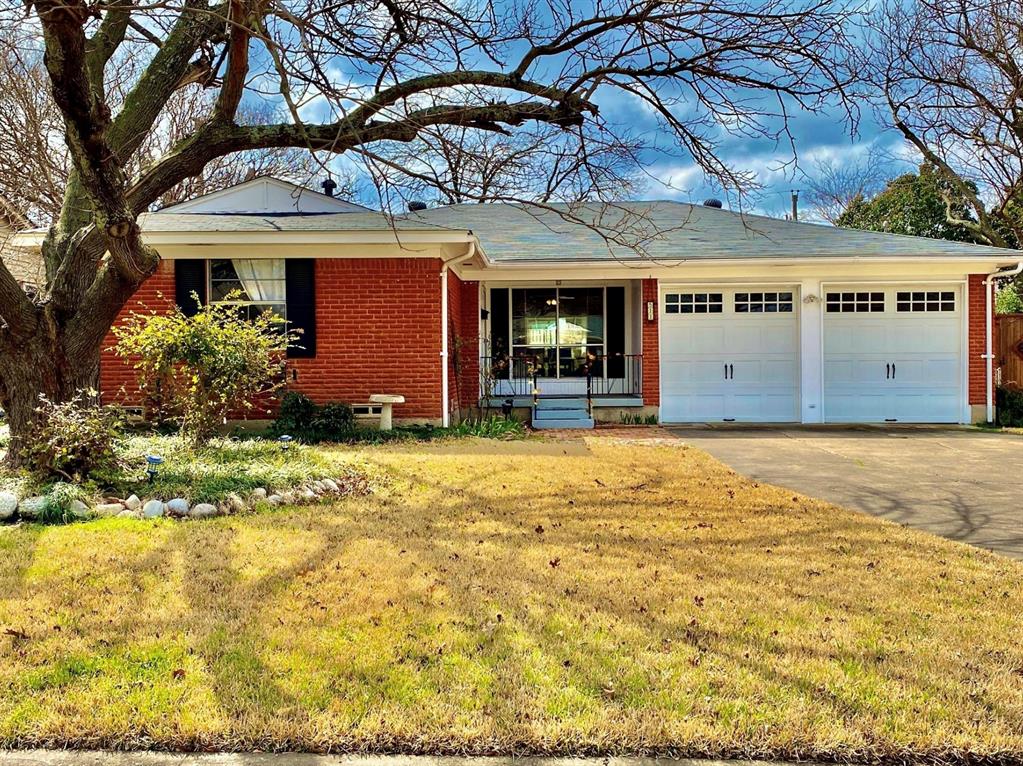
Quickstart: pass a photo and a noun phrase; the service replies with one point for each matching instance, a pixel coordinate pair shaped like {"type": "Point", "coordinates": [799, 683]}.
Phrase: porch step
{"type": "Point", "coordinates": [546, 423]}
{"type": "Point", "coordinates": [559, 403]}
{"type": "Point", "coordinates": [561, 413]}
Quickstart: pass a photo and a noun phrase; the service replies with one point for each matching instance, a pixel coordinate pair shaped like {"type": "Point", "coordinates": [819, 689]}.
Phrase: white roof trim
{"type": "Point", "coordinates": [285, 237]}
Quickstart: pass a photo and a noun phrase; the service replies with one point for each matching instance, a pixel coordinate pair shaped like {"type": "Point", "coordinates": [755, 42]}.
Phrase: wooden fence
{"type": "Point", "coordinates": [1009, 359]}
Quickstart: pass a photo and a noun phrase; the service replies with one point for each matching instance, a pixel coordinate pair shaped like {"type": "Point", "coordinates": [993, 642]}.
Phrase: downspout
{"type": "Point", "coordinates": [445, 383]}
{"type": "Point", "coordinates": [989, 355]}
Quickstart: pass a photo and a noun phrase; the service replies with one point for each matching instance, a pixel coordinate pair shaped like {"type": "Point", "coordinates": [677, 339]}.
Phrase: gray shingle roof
{"type": "Point", "coordinates": [661, 230]}
{"type": "Point", "coordinates": [672, 231]}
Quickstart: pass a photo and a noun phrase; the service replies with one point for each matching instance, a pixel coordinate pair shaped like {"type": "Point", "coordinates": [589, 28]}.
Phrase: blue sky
{"type": "Point", "coordinates": [821, 136]}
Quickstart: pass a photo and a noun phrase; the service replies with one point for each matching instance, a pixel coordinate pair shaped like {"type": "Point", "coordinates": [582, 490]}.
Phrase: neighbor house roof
{"type": "Point", "coordinates": [662, 231]}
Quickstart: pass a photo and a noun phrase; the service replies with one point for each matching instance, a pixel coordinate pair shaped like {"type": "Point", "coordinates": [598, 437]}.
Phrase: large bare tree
{"type": "Point", "coordinates": [949, 74]}
{"type": "Point", "coordinates": [35, 162]}
{"type": "Point", "coordinates": [359, 77]}
{"type": "Point", "coordinates": [833, 185]}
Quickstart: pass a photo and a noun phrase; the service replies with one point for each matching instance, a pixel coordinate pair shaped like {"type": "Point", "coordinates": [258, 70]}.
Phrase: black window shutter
{"type": "Point", "coordinates": [189, 277]}
{"type": "Point", "coordinates": [499, 322]}
{"type": "Point", "coordinates": [300, 276]}
{"type": "Point", "coordinates": [499, 348]}
{"type": "Point", "coordinates": [615, 332]}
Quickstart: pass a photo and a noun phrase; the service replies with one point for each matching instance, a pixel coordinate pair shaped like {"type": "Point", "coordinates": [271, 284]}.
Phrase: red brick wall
{"type": "Point", "coordinates": [464, 342]}
{"type": "Point", "coordinates": [977, 307]}
{"type": "Point", "coordinates": [117, 380]}
{"type": "Point", "coordinates": [651, 348]}
{"type": "Point", "coordinates": [377, 332]}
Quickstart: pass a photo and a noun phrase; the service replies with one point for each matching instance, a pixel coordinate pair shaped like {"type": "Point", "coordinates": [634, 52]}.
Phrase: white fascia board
{"type": "Point", "coordinates": [285, 237]}
{"type": "Point", "coordinates": [694, 267]}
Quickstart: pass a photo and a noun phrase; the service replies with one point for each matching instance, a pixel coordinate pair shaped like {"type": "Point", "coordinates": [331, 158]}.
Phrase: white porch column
{"type": "Point", "coordinates": [810, 348]}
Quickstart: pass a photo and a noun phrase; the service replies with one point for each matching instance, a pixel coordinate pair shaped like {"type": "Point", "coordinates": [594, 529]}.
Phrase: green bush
{"type": "Point", "coordinates": [1010, 407]}
{"type": "Point", "coordinates": [332, 420]}
{"type": "Point", "coordinates": [300, 418]}
{"type": "Point", "coordinates": [1008, 300]}
{"type": "Point", "coordinates": [209, 365]}
{"type": "Point", "coordinates": [295, 415]}
{"type": "Point", "coordinates": [74, 439]}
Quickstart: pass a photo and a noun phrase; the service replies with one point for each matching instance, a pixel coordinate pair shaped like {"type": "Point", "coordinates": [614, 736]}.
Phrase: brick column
{"type": "Point", "coordinates": [976, 304]}
{"type": "Point", "coordinates": [651, 348]}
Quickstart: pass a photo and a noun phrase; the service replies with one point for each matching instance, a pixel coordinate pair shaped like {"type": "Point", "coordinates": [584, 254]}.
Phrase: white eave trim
{"type": "Point", "coordinates": [286, 237]}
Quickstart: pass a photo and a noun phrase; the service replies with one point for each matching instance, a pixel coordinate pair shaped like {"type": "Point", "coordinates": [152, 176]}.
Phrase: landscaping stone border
{"type": "Point", "coordinates": [32, 508]}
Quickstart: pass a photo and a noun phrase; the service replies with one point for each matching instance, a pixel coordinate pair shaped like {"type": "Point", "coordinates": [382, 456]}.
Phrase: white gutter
{"type": "Point", "coordinates": [989, 356]}
{"type": "Point", "coordinates": [445, 404]}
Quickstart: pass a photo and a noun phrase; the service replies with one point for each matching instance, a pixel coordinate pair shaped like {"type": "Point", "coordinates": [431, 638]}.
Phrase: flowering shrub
{"type": "Point", "coordinates": [208, 365]}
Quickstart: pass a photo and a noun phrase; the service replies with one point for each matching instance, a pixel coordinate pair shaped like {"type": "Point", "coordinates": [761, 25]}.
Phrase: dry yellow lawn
{"type": "Point", "coordinates": [511, 597]}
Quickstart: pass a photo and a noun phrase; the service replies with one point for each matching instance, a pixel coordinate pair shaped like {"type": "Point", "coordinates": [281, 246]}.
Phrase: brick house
{"type": "Point", "coordinates": [716, 316]}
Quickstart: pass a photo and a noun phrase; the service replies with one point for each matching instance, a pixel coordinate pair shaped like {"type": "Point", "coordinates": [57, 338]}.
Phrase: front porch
{"type": "Point", "coordinates": [602, 382]}
{"type": "Point", "coordinates": [561, 341]}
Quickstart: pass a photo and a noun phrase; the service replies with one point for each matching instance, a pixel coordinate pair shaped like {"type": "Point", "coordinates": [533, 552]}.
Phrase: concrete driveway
{"type": "Point", "coordinates": [960, 483]}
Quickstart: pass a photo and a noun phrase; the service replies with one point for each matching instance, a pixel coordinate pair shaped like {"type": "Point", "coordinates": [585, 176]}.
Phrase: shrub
{"type": "Point", "coordinates": [74, 439]}
{"type": "Point", "coordinates": [301, 418]}
{"type": "Point", "coordinates": [1010, 407]}
{"type": "Point", "coordinates": [295, 416]}
{"type": "Point", "coordinates": [210, 364]}
{"type": "Point", "coordinates": [334, 420]}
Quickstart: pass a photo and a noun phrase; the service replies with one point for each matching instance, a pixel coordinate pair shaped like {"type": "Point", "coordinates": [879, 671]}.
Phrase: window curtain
{"type": "Point", "coordinates": [262, 278]}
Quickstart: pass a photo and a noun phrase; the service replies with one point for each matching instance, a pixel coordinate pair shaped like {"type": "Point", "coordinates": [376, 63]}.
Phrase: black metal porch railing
{"type": "Point", "coordinates": [601, 376]}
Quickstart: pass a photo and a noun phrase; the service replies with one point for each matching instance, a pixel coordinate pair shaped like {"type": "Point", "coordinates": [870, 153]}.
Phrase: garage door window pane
{"type": "Point", "coordinates": [763, 303]}
{"type": "Point", "coordinates": [929, 301]}
{"type": "Point", "coordinates": [693, 303]}
{"type": "Point", "coordinates": [852, 303]}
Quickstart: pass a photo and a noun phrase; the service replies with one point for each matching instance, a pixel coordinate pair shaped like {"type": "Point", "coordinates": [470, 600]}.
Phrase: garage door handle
{"type": "Point", "coordinates": [731, 371]}
{"type": "Point", "coordinates": [726, 370]}
{"type": "Point", "coordinates": [893, 370]}
{"type": "Point", "coordinates": [887, 371]}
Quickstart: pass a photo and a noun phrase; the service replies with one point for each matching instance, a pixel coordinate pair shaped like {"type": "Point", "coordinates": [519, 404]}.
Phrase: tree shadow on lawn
{"type": "Point", "coordinates": [576, 603]}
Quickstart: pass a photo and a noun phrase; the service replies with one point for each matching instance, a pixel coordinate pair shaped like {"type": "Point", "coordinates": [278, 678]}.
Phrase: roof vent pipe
{"type": "Point", "coordinates": [416, 205]}
{"type": "Point", "coordinates": [712, 202]}
{"type": "Point", "coordinates": [329, 186]}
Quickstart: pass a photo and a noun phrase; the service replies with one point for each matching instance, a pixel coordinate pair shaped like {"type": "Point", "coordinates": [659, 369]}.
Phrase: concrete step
{"type": "Point", "coordinates": [552, 403]}
{"type": "Point", "coordinates": [572, 414]}
{"type": "Point", "coordinates": [547, 423]}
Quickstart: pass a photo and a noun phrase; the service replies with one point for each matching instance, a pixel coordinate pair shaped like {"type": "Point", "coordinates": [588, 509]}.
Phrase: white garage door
{"type": "Point", "coordinates": [729, 354]}
{"type": "Point", "coordinates": [893, 354]}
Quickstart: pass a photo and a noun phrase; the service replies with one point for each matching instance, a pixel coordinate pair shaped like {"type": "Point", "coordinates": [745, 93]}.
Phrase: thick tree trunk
{"type": "Point", "coordinates": [32, 369]}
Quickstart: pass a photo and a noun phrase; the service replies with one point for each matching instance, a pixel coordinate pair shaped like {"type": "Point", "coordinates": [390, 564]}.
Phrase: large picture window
{"type": "Point", "coordinates": [561, 328]}
{"type": "Point", "coordinates": [255, 285]}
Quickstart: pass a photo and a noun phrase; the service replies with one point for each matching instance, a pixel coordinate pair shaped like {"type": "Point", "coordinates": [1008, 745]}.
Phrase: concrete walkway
{"type": "Point", "coordinates": [961, 483]}
{"type": "Point", "coordinates": [145, 758]}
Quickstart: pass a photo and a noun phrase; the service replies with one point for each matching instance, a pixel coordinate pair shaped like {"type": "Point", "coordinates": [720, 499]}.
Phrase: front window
{"type": "Point", "coordinates": [255, 285]}
{"type": "Point", "coordinates": [560, 329]}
